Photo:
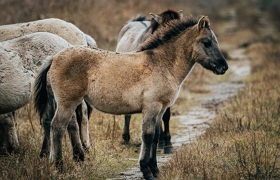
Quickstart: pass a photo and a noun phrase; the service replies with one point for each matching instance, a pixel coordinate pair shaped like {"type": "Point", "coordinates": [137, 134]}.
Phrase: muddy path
{"type": "Point", "coordinates": [194, 123]}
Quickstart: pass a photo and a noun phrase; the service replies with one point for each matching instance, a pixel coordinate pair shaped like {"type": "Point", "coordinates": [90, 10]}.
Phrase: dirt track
{"type": "Point", "coordinates": [198, 118]}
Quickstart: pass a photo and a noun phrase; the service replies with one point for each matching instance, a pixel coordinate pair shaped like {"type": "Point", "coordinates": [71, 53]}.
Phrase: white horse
{"type": "Point", "coordinates": [74, 36]}
{"type": "Point", "coordinates": [66, 30]}
{"type": "Point", "coordinates": [20, 59]}
{"type": "Point", "coordinates": [130, 38]}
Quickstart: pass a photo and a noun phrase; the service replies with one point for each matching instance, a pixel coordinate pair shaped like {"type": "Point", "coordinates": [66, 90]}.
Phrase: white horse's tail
{"type": "Point", "coordinates": [41, 97]}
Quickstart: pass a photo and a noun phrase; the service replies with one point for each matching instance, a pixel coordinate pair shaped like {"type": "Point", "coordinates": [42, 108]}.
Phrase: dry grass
{"type": "Point", "coordinates": [107, 156]}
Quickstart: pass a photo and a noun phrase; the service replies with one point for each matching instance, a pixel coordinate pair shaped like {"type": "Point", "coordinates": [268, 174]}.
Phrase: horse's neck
{"type": "Point", "coordinates": [175, 55]}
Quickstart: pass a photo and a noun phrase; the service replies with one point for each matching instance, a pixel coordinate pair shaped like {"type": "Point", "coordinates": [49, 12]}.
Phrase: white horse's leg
{"type": "Point", "coordinates": [59, 125]}
{"type": "Point", "coordinates": [74, 134]}
{"type": "Point", "coordinates": [8, 132]}
{"type": "Point", "coordinates": [149, 125]}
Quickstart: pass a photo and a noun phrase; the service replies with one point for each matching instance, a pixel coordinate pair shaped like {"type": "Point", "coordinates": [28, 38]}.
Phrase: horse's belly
{"type": "Point", "coordinates": [115, 106]}
{"type": "Point", "coordinates": [118, 110]}
{"type": "Point", "coordinates": [117, 102]}
{"type": "Point", "coordinates": [13, 98]}
{"type": "Point", "coordinates": [15, 88]}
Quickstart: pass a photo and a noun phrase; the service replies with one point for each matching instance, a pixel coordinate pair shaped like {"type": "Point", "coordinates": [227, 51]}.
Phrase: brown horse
{"type": "Point", "coordinates": [145, 82]}
{"type": "Point", "coordinates": [130, 38]}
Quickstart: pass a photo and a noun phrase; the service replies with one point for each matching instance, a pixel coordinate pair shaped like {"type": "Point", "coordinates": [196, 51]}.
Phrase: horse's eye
{"type": "Point", "coordinates": [207, 44]}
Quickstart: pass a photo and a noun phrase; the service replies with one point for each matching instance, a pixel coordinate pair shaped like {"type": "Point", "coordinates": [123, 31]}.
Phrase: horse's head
{"type": "Point", "coordinates": [206, 49]}
{"type": "Point", "coordinates": [166, 16]}
{"type": "Point", "coordinates": [159, 20]}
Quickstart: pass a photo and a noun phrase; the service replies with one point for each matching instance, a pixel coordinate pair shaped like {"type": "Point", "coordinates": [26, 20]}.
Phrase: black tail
{"type": "Point", "coordinates": [40, 89]}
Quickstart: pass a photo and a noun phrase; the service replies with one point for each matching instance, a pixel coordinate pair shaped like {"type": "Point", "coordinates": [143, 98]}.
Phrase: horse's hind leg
{"type": "Point", "coordinates": [46, 141]}
{"type": "Point", "coordinates": [9, 134]}
{"type": "Point", "coordinates": [59, 125]}
{"type": "Point", "coordinates": [74, 133]}
{"type": "Point", "coordinates": [126, 135]}
{"type": "Point", "coordinates": [166, 132]}
{"type": "Point", "coordinates": [46, 121]}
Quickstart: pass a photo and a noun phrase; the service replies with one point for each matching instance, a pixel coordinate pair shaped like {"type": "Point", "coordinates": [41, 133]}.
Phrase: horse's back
{"type": "Point", "coordinates": [20, 59]}
{"type": "Point", "coordinates": [90, 41]}
{"type": "Point", "coordinates": [64, 29]}
{"type": "Point", "coordinates": [131, 35]}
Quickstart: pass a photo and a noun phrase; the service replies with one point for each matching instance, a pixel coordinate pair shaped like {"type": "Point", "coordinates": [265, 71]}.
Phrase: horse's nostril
{"type": "Point", "coordinates": [213, 64]}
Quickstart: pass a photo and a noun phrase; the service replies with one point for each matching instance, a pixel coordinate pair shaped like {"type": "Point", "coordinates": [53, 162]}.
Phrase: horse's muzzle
{"type": "Point", "coordinates": [219, 69]}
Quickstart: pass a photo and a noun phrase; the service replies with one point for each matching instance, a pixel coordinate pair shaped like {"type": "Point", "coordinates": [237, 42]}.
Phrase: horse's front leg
{"type": "Point", "coordinates": [9, 139]}
{"type": "Point", "coordinates": [149, 127]}
{"type": "Point", "coordinates": [58, 127]}
{"type": "Point", "coordinates": [153, 159]}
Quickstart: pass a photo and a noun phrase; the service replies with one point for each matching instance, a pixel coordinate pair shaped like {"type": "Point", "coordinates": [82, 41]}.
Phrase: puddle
{"type": "Point", "coordinates": [197, 119]}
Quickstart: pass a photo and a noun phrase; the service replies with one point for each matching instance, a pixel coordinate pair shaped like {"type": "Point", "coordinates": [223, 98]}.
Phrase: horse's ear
{"type": "Point", "coordinates": [203, 22]}
{"type": "Point", "coordinates": [157, 18]}
{"type": "Point", "coordinates": [181, 14]}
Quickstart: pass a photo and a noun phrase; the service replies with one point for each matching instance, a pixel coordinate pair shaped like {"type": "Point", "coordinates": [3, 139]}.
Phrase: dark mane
{"type": "Point", "coordinates": [167, 16]}
{"type": "Point", "coordinates": [139, 18]}
{"type": "Point", "coordinates": [173, 29]}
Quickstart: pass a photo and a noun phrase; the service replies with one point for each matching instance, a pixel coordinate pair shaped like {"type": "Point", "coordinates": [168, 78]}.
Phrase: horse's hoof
{"type": "Point", "coordinates": [44, 154]}
{"type": "Point", "coordinates": [86, 149]}
{"type": "Point", "coordinates": [4, 151]}
{"type": "Point", "coordinates": [149, 177]}
{"type": "Point", "coordinates": [8, 151]}
{"type": "Point", "coordinates": [59, 166]}
{"type": "Point", "coordinates": [168, 150]}
{"type": "Point", "coordinates": [147, 173]}
{"type": "Point", "coordinates": [154, 170]}
{"type": "Point", "coordinates": [78, 157]}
